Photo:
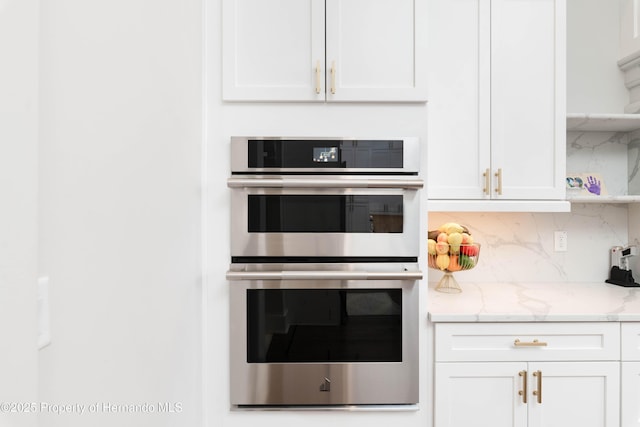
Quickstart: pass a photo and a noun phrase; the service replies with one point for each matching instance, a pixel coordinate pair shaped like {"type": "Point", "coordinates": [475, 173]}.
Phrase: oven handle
{"type": "Point", "coordinates": [324, 275]}
{"type": "Point", "coordinates": [408, 184]}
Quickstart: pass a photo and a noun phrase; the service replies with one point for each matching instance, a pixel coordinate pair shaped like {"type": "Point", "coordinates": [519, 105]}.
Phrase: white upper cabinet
{"type": "Point", "coordinates": [275, 50]}
{"type": "Point", "coordinates": [272, 48]}
{"type": "Point", "coordinates": [528, 107]}
{"type": "Point", "coordinates": [497, 101]}
{"type": "Point", "coordinates": [629, 28]}
{"type": "Point", "coordinates": [459, 136]}
{"type": "Point", "coordinates": [376, 49]}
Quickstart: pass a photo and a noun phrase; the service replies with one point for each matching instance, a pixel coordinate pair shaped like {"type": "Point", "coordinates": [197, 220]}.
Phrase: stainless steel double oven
{"type": "Point", "coordinates": [324, 271]}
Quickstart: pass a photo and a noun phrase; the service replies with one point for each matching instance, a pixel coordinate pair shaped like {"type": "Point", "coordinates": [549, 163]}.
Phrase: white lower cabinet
{"type": "Point", "coordinates": [630, 395]}
{"type": "Point", "coordinates": [582, 394]}
{"type": "Point", "coordinates": [479, 394]}
{"type": "Point", "coordinates": [630, 374]}
{"type": "Point", "coordinates": [528, 374]}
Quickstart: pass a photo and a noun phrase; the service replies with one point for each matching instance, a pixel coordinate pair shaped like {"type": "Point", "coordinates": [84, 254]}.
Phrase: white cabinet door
{"type": "Point", "coordinates": [479, 394]}
{"type": "Point", "coordinates": [557, 394]}
{"type": "Point", "coordinates": [459, 98]}
{"type": "Point", "coordinates": [630, 394]}
{"type": "Point", "coordinates": [527, 341]}
{"type": "Point", "coordinates": [273, 50]}
{"type": "Point", "coordinates": [629, 19]}
{"type": "Point", "coordinates": [376, 50]}
{"type": "Point", "coordinates": [496, 100]}
{"type": "Point", "coordinates": [528, 123]}
{"type": "Point", "coordinates": [585, 394]}
{"type": "Point", "coordinates": [630, 374]}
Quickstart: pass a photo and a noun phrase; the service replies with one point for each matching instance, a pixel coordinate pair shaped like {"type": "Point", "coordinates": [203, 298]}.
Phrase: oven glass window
{"type": "Point", "coordinates": [319, 325]}
{"type": "Point", "coordinates": [325, 214]}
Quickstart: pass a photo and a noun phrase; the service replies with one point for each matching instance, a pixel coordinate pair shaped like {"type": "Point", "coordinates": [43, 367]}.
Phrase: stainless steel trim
{"type": "Point", "coordinates": [262, 182]}
{"type": "Point", "coordinates": [352, 408]}
{"type": "Point", "coordinates": [324, 275]}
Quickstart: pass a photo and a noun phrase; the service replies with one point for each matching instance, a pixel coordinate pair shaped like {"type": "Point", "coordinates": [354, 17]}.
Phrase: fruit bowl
{"type": "Point", "coordinates": [452, 258]}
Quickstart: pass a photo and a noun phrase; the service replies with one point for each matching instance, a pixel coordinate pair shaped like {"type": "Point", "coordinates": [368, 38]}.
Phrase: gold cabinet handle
{"type": "Point", "coordinates": [534, 343]}
{"type": "Point", "coordinates": [538, 392]}
{"type": "Point", "coordinates": [333, 77]}
{"type": "Point", "coordinates": [487, 181]}
{"type": "Point", "coordinates": [318, 83]}
{"type": "Point", "coordinates": [523, 392]}
{"type": "Point", "coordinates": [499, 176]}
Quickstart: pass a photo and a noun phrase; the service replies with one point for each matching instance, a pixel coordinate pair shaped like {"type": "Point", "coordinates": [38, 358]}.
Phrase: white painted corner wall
{"type": "Point", "coordinates": [19, 38]}
{"type": "Point", "coordinates": [120, 151]}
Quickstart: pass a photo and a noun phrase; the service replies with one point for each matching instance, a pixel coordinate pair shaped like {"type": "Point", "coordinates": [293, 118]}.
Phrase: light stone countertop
{"type": "Point", "coordinates": [535, 302]}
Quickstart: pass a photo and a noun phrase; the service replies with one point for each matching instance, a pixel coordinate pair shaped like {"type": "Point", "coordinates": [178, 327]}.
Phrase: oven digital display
{"type": "Point", "coordinates": [319, 154]}
{"type": "Point", "coordinates": [325, 154]}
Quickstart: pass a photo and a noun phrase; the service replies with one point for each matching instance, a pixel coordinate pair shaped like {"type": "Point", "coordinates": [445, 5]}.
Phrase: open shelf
{"type": "Point", "coordinates": [498, 205]}
{"type": "Point", "coordinates": [625, 123]}
{"type": "Point", "coordinates": [604, 199]}
{"type": "Point", "coordinates": [603, 122]}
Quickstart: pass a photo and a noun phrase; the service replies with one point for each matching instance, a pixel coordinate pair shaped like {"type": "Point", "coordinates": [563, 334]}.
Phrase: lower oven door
{"type": "Point", "coordinates": [324, 337]}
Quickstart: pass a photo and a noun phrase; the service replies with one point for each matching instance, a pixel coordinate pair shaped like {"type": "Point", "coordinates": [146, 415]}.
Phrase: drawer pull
{"type": "Point", "coordinates": [534, 343]}
{"type": "Point", "coordinates": [523, 392]}
{"type": "Point", "coordinates": [538, 392]}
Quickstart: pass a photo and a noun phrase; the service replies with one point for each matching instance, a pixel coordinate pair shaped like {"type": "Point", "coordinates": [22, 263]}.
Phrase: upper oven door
{"type": "Point", "coordinates": [313, 216]}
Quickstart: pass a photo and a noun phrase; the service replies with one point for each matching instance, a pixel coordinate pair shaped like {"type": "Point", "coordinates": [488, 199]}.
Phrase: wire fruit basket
{"type": "Point", "coordinates": [451, 259]}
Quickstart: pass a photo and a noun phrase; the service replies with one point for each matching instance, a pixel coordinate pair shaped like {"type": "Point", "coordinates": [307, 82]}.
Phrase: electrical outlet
{"type": "Point", "coordinates": [560, 241]}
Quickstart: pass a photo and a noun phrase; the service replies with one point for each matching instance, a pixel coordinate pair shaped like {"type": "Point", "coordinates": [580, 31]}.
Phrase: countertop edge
{"type": "Point", "coordinates": [535, 302]}
{"type": "Point", "coordinates": [516, 318]}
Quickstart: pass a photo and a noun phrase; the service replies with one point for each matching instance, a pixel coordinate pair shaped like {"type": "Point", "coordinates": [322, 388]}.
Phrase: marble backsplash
{"type": "Point", "coordinates": [519, 247]}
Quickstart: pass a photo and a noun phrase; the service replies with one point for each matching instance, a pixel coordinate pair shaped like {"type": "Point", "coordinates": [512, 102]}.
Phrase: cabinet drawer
{"type": "Point", "coordinates": [458, 342]}
{"type": "Point", "coordinates": [630, 333]}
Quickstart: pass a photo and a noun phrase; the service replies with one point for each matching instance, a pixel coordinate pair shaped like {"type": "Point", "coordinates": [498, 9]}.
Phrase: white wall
{"type": "Point", "coordinates": [120, 85]}
{"type": "Point", "coordinates": [595, 84]}
{"type": "Point", "coordinates": [18, 207]}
